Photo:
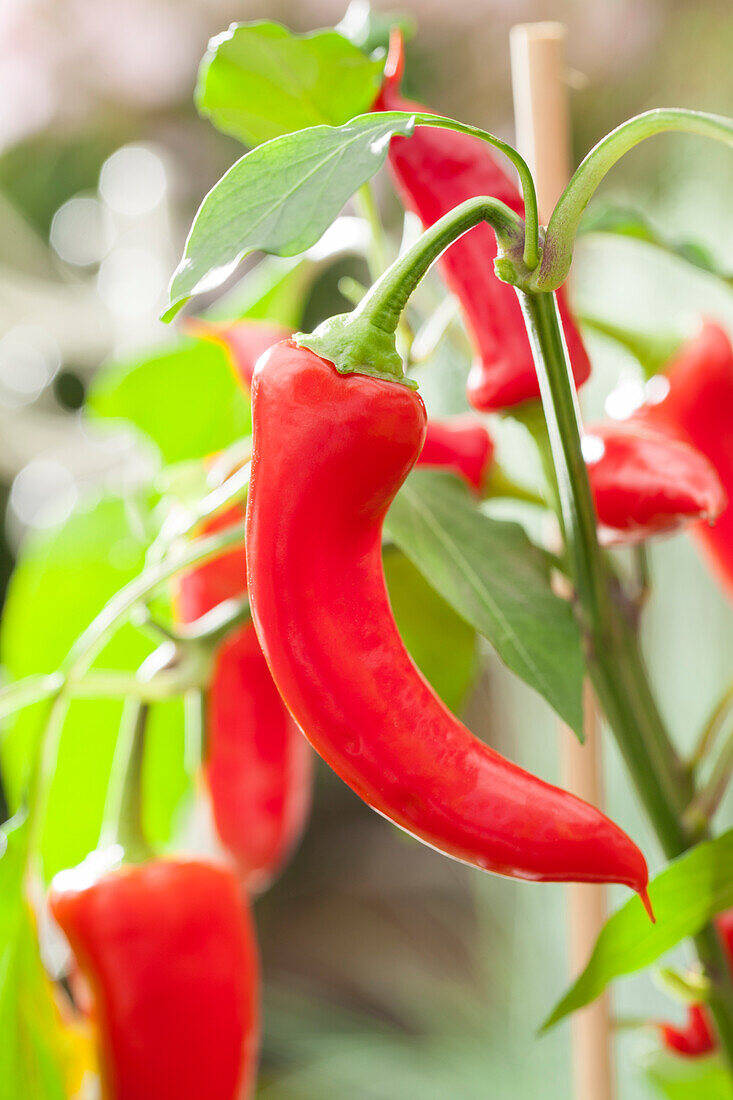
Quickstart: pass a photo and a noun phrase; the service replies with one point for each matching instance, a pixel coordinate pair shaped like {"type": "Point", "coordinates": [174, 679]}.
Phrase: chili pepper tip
{"type": "Point", "coordinates": [646, 902]}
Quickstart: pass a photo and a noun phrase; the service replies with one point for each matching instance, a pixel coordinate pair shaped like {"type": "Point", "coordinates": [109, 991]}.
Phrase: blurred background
{"type": "Point", "coordinates": [390, 972]}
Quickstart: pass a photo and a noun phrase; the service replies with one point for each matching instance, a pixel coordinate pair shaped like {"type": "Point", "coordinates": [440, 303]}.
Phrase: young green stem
{"type": "Point", "coordinates": [123, 813]}
{"type": "Point", "coordinates": [563, 225]}
{"type": "Point", "coordinates": [363, 341]}
{"type": "Point", "coordinates": [612, 649]}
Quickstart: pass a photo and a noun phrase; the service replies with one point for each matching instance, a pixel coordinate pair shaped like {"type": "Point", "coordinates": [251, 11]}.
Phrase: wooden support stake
{"type": "Point", "coordinates": [542, 118]}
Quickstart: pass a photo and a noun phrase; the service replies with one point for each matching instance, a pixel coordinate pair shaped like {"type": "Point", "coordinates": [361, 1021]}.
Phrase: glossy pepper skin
{"type": "Point", "coordinates": [697, 1037]}
{"type": "Point", "coordinates": [461, 444]}
{"type": "Point", "coordinates": [319, 492]}
{"type": "Point", "coordinates": [646, 482]}
{"type": "Point", "coordinates": [435, 170]}
{"type": "Point", "coordinates": [169, 951]}
{"type": "Point", "coordinates": [699, 408]}
{"type": "Point", "coordinates": [257, 767]}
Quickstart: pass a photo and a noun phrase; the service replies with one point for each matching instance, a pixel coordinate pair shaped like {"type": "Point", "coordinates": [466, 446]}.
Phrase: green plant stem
{"type": "Point", "coordinates": [364, 340]}
{"type": "Point", "coordinates": [123, 813]}
{"type": "Point", "coordinates": [614, 659]}
{"type": "Point", "coordinates": [377, 252]}
{"type": "Point", "coordinates": [563, 225]}
{"type": "Point", "coordinates": [712, 727]}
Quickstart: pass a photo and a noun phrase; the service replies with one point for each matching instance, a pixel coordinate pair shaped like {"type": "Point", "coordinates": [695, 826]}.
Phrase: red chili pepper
{"type": "Point", "coordinates": [697, 1036]}
{"type": "Point", "coordinates": [699, 408]}
{"type": "Point", "coordinates": [318, 496]}
{"type": "Point", "coordinates": [461, 444]}
{"type": "Point", "coordinates": [434, 171]}
{"type": "Point", "coordinates": [169, 951]}
{"type": "Point", "coordinates": [244, 341]}
{"type": "Point", "coordinates": [645, 482]}
{"type": "Point", "coordinates": [258, 766]}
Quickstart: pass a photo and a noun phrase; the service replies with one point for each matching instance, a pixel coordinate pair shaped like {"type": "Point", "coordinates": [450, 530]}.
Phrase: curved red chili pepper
{"type": "Point", "coordinates": [699, 407]}
{"type": "Point", "coordinates": [258, 766]}
{"type": "Point", "coordinates": [645, 482]}
{"type": "Point", "coordinates": [461, 444]}
{"type": "Point", "coordinates": [244, 341]}
{"type": "Point", "coordinates": [697, 1037]}
{"type": "Point", "coordinates": [169, 951]}
{"type": "Point", "coordinates": [320, 488]}
{"type": "Point", "coordinates": [435, 170]}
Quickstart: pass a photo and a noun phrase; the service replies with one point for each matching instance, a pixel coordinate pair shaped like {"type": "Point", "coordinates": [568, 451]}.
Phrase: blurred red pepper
{"type": "Point", "coordinates": [697, 1036]}
{"type": "Point", "coordinates": [645, 482]}
{"type": "Point", "coordinates": [258, 766]}
{"type": "Point", "coordinates": [244, 341]}
{"type": "Point", "coordinates": [461, 444]}
{"type": "Point", "coordinates": [169, 951]}
{"type": "Point", "coordinates": [698, 407]}
{"type": "Point", "coordinates": [435, 170]}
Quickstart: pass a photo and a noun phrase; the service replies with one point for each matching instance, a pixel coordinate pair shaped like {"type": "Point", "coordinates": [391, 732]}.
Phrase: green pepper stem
{"type": "Point", "coordinates": [123, 812]}
{"type": "Point", "coordinates": [363, 341]}
{"type": "Point", "coordinates": [614, 659]}
{"type": "Point", "coordinates": [562, 228]}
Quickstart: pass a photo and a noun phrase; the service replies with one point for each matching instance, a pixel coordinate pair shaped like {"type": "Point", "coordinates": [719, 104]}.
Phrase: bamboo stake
{"type": "Point", "coordinates": [540, 87]}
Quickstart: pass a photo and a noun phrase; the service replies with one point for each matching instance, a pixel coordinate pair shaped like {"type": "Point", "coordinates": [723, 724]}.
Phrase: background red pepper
{"type": "Point", "coordinates": [257, 764]}
{"type": "Point", "coordinates": [699, 407]}
{"type": "Point", "coordinates": [645, 482]}
{"type": "Point", "coordinates": [461, 444]}
{"type": "Point", "coordinates": [168, 949]}
{"type": "Point", "coordinates": [319, 491]}
{"type": "Point", "coordinates": [697, 1036]}
{"type": "Point", "coordinates": [435, 170]}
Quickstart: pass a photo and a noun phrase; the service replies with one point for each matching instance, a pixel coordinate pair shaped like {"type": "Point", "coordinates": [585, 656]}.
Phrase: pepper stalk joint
{"type": "Point", "coordinates": [363, 341]}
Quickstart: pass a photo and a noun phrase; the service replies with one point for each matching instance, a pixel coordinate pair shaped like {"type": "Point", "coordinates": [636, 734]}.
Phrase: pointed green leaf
{"type": "Point", "coordinates": [258, 81]}
{"type": "Point", "coordinates": [685, 896]}
{"type": "Point", "coordinates": [497, 580]}
{"type": "Point", "coordinates": [281, 198]}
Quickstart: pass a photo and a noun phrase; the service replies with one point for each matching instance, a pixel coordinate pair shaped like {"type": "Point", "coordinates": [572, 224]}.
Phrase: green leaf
{"type": "Point", "coordinates": [685, 896]}
{"type": "Point", "coordinates": [62, 579]}
{"type": "Point", "coordinates": [281, 198]}
{"type": "Point", "coordinates": [275, 290]}
{"type": "Point", "coordinates": [258, 81]}
{"type": "Point", "coordinates": [31, 1053]}
{"type": "Point", "coordinates": [497, 580]}
{"type": "Point", "coordinates": [440, 642]}
{"type": "Point", "coordinates": [688, 1078]}
{"type": "Point", "coordinates": [186, 399]}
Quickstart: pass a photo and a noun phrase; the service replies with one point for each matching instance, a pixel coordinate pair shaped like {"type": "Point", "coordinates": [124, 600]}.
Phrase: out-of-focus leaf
{"type": "Point", "coordinates": [632, 223]}
{"type": "Point", "coordinates": [653, 350]}
{"type": "Point", "coordinates": [281, 198]}
{"type": "Point", "coordinates": [62, 580]}
{"type": "Point", "coordinates": [497, 580]}
{"type": "Point", "coordinates": [441, 643]}
{"type": "Point", "coordinates": [187, 399]}
{"type": "Point", "coordinates": [369, 29]}
{"type": "Point", "coordinates": [31, 1049]}
{"type": "Point", "coordinates": [275, 290]}
{"type": "Point", "coordinates": [688, 1078]}
{"type": "Point", "coordinates": [259, 80]}
{"type": "Point", "coordinates": [685, 896]}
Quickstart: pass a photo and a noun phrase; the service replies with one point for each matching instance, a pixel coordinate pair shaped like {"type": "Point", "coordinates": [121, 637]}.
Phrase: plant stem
{"type": "Point", "coordinates": [614, 659]}
{"type": "Point", "coordinates": [563, 225]}
{"type": "Point", "coordinates": [123, 813]}
{"type": "Point", "coordinates": [363, 341]}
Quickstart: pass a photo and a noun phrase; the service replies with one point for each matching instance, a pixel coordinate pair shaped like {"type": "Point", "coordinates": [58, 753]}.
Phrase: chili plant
{"type": "Point", "coordinates": [256, 597]}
